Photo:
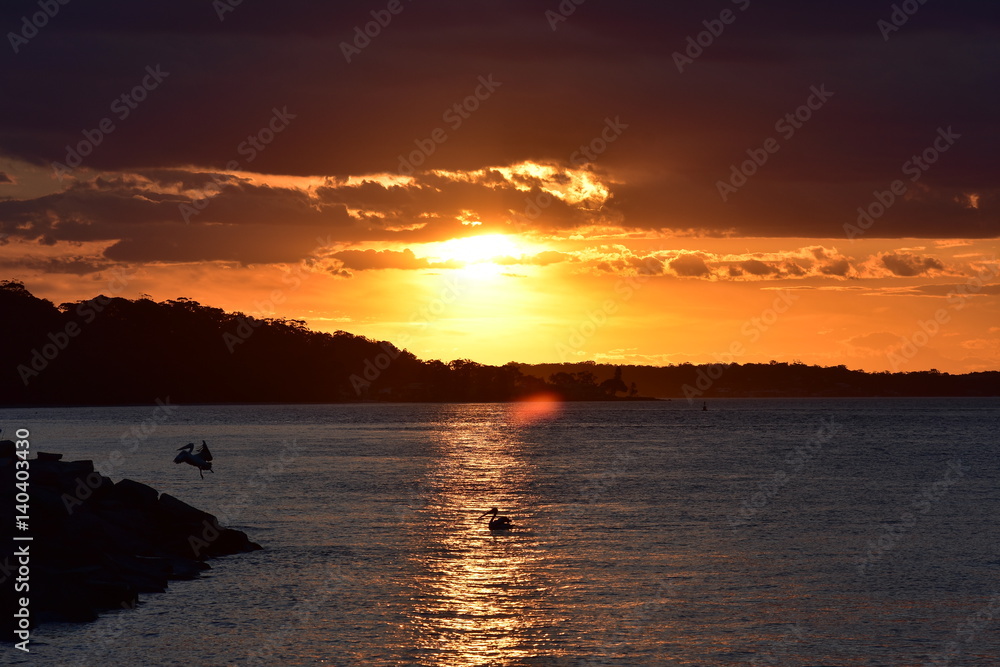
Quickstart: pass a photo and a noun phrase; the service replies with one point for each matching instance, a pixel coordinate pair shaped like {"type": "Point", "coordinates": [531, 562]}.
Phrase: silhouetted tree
{"type": "Point", "coordinates": [108, 350]}
{"type": "Point", "coordinates": [614, 385]}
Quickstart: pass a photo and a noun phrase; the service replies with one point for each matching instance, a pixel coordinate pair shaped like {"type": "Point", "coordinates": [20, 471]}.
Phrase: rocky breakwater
{"type": "Point", "coordinates": [97, 544]}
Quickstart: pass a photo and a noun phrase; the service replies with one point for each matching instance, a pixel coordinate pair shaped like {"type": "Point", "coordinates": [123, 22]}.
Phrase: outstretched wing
{"type": "Point", "coordinates": [203, 452]}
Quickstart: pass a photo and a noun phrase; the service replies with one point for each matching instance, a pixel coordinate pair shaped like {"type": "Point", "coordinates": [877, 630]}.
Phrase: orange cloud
{"type": "Point", "coordinates": [364, 260]}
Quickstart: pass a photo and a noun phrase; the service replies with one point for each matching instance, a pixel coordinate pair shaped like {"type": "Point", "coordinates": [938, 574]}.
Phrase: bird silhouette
{"type": "Point", "coordinates": [200, 458]}
{"type": "Point", "coordinates": [497, 522]}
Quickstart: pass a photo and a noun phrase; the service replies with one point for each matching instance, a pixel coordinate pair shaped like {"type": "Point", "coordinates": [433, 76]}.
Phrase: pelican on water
{"type": "Point", "coordinates": [497, 522]}
{"type": "Point", "coordinates": [201, 458]}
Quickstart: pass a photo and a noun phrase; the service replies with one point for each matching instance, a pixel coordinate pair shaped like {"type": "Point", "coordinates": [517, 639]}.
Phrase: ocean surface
{"type": "Point", "coordinates": [758, 532]}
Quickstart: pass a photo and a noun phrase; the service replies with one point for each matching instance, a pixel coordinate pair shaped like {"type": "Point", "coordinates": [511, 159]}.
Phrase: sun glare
{"type": "Point", "coordinates": [477, 249]}
{"type": "Point", "coordinates": [536, 408]}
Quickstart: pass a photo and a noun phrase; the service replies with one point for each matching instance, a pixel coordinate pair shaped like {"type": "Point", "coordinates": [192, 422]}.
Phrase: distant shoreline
{"type": "Point", "coordinates": [137, 352]}
{"type": "Point", "coordinates": [695, 404]}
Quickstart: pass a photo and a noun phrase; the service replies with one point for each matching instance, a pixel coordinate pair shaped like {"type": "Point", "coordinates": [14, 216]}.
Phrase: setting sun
{"type": "Point", "coordinates": [477, 249]}
{"type": "Point", "coordinates": [501, 333]}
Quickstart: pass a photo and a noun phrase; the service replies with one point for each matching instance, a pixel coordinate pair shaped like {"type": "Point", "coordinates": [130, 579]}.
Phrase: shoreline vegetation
{"type": "Point", "coordinates": [116, 351]}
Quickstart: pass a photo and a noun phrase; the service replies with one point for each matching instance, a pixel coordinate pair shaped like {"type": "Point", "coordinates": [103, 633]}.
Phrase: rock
{"type": "Point", "coordinates": [212, 540]}
{"type": "Point", "coordinates": [122, 536]}
{"type": "Point", "coordinates": [147, 575]}
{"type": "Point", "coordinates": [46, 456]}
{"type": "Point", "coordinates": [65, 476]}
{"type": "Point", "coordinates": [186, 568]}
{"type": "Point", "coordinates": [134, 493]}
{"type": "Point", "coordinates": [179, 511]}
{"type": "Point", "coordinates": [97, 544]}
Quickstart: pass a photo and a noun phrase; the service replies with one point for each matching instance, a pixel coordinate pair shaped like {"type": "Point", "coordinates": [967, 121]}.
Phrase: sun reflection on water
{"type": "Point", "coordinates": [536, 408]}
{"type": "Point", "coordinates": [478, 594]}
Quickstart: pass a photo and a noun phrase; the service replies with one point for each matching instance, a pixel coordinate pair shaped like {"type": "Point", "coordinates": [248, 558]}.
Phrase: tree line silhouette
{"type": "Point", "coordinates": [116, 351]}
{"type": "Point", "coordinates": [782, 379]}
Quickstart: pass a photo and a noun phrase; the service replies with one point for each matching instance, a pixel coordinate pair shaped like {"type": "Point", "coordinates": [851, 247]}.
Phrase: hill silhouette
{"type": "Point", "coordinates": [780, 379]}
{"type": "Point", "coordinates": [115, 351]}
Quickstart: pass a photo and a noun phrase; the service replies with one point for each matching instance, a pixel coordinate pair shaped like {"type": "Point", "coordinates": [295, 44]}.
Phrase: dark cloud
{"type": "Point", "coordinates": [183, 179]}
{"type": "Point", "coordinates": [79, 266]}
{"type": "Point", "coordinates": [905, 264]}
{"type": "Point", "coordinates": [243, 244]}
{"type": "Point", "coordinates": [793, 268]}
{"type": "Point", "coordinates": [689, 265]}
{"type": "Point", "coordinates": [186, 215]}
{"type": "Point", "coordinates": [363, 260]}
{"type": "Point", "coordinates": [87, 213]}
{"type": "Point", "coordinates": [839, 267]}
{"type": "Point", "coordinates": [755, 267]}
{"type": "Point", "coordinates": [685, 131]}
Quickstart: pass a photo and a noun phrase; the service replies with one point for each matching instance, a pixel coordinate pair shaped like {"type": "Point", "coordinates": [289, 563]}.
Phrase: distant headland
{"type": "Point", "coordinates": [115, 351]}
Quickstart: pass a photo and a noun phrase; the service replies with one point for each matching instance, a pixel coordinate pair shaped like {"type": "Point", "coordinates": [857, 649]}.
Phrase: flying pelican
{"type": "Point", "coordinates": [498, 522]}
{"type": "Point", "coordinates": [201, 458]}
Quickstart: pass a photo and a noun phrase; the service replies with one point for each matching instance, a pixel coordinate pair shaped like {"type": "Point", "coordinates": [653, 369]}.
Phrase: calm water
{"type": "Point", "coordinates": [761, 532]}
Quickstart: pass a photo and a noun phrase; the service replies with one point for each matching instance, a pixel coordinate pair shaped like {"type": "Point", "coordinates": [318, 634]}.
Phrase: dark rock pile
{"type": "Point", "coordinates": [97, 544]}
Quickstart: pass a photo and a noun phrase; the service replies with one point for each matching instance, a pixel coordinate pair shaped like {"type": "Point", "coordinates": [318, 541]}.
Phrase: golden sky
{"type": "Point", "coordinates": [805, 188]}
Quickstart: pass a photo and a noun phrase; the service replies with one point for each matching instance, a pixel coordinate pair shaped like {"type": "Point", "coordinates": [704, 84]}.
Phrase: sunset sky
{"type": "Point", "coordinates": [627, 182]}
